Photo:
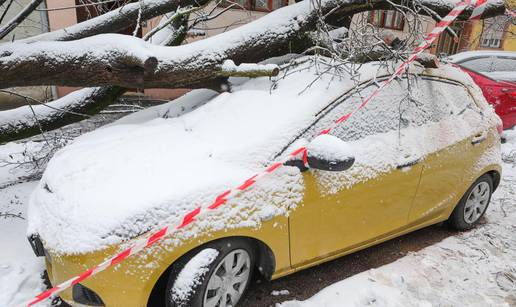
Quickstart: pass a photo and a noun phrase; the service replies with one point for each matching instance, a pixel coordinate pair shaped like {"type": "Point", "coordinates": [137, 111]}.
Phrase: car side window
{"type": "Point", "coordinates": [449, 96]}
{"type": "Point", "coordinates": [402, 104]}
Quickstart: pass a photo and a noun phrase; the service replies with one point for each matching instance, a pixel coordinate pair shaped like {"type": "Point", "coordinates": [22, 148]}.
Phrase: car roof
{"type": "Point", "coordinates": [467, 55]}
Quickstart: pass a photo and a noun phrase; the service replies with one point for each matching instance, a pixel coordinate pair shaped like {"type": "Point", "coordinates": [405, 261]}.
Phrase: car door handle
{"type": "Point", "coordinates": [408, 164]}
{"type": "Point", "coordinates": [479, 138]}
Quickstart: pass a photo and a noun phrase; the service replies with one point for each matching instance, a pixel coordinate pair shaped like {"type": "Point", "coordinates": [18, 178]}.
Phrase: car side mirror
{"type": "Point", "coordinates": [329, 153]}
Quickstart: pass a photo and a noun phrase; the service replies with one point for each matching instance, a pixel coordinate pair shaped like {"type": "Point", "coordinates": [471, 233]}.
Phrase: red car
{"type": "Point", "coordinates": [495, 73]}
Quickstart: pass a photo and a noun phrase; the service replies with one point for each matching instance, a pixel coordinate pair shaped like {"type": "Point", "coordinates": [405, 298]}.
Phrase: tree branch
{"type": "Point", "coordinates": [116, 20]}
{"type": "Point", "coordinates": [5, 10]}
{"type": "Point", "coordinates": [112, 59]}
{"type": "Point", "coordinates": [21, 123]}
{"type": "Point", "coordinates": [24, 13]}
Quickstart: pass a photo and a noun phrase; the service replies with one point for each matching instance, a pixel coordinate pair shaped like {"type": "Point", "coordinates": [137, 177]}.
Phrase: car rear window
{"type": "Point", "coordinates": [504, 64]}
{"type": "Point", "coordinates": [498, 68]}
{"type": "Point", "coordinates": [484, 64]}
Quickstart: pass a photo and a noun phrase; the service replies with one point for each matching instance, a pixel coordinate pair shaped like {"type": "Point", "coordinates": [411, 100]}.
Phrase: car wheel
{"type": "Point", "coordinates": [226, 280]}
{"type": "Point", "coordinates": [473, 204]}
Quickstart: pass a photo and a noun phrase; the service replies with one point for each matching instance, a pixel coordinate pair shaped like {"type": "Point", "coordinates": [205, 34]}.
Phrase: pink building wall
{"type": "Point", "coordinates": [58, 20]}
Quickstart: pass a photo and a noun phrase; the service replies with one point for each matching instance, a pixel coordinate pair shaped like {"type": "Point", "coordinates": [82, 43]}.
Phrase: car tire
{"type": "Point", "coordinates": [234, 250]}
{"type": "Point", "coordinates": [473, 204]}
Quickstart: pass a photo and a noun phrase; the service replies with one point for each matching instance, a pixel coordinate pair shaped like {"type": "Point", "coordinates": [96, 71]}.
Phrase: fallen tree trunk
{"type": "Point", "coordinates": [113, 59]}
{"type": "Point", "coordinates": [129, 62]}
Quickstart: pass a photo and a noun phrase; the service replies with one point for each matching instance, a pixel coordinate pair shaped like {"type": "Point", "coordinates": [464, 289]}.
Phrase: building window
{"type": "Point", "coordinates": [387, 19]}
{"type": "Point", "coordinates": [492, 34]}
{"type": "Point", "coordinates": [448, 44]}
{"type": "Point", "coordinates": [256, 5]}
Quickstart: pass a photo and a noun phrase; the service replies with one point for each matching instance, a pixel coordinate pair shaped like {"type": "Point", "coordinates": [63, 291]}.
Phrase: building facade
{"type": "Point", "coordinates": [35, 24]}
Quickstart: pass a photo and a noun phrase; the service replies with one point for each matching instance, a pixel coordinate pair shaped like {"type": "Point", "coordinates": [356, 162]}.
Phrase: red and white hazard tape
{"type": "Point", "coordinates": [480, 6]}
{"type": "Point", "coordinates": [222, 198]}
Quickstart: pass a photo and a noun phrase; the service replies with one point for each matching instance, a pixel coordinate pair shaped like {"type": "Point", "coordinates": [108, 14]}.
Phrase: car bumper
{"type": "Point", "coordinates": [127, 284]}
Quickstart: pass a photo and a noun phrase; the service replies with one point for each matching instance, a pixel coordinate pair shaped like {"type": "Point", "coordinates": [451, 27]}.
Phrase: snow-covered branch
{"type": "Point", "coordinates": [112, 59]}
{"type": "Point", "coordinates": [24, 13]}
{"type": "Point", "coordinates": [229, 69]}
{"type": "Point", "coordinates": [29, 120]}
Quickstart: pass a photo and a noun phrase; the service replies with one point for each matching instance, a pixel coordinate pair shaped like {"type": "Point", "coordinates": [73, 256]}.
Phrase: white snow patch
{"type": "Point", "coordinates": [182, 105]}
{"type": "Point", "coordinates": [230, 66]}
{"type": "Point", "coordinates": [329, 147]}
{"type": "Point", "coordinates": [20, 269]}
{"type": "Point", "coordinates": [190, 276]}
{"type": "Point", "coordinates": [280, 292]}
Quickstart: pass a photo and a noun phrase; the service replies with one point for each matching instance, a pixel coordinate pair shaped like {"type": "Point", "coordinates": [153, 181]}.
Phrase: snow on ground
{"type": "Point", "coordinates": [474, 268]}
{"type": "Point", "coordinates": [19, 268]}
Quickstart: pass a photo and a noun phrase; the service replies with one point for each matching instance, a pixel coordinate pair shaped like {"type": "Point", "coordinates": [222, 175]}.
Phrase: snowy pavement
{"type": "Point", "coordinates": [474, 268]}
{"type": "Point", "coordinates": [19, 268]}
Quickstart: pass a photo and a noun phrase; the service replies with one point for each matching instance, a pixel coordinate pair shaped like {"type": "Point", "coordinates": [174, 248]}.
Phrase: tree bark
{"type": "Point", "coordinates": [24, 13]}
{"type": "Point", "coordinates": [129, 62]}
{"type": "Point", "coordinates": [121, 60]}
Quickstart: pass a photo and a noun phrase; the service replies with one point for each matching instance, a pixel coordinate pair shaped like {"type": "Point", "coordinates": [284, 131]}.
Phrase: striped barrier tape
{"type": "Point", "coordinates": [480, 6]}
{"type": "Point", "coordinates": [222, 198]}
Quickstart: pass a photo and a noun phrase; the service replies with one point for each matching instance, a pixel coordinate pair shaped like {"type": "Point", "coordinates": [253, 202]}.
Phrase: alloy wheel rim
{"type": "Point", "coordinates": [477, 202]}
{"type": "Point", "coordinates": [228, 282]}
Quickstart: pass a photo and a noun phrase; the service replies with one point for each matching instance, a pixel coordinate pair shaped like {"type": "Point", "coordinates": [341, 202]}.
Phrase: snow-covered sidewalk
{"type": "Point", "coordinates": [20, 269]}
{"type": "Point", "coordinates": [474, 268]}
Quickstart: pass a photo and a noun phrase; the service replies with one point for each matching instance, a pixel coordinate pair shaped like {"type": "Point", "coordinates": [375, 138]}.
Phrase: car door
{"type": "Point", "coordinates": [343, 210]}
{"type": "Point", "coordinates": [454, 141]}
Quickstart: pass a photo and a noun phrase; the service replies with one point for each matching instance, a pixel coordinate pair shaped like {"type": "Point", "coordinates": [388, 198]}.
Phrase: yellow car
{"type": "Point", "coordinates": [426, 150]}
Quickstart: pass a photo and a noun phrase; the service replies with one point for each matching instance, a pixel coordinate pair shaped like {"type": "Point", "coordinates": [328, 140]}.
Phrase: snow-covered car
{"type": "Point", "coordinates": [497, 65]}
{"type": "Point", "coordinates": [425, 150]}
{"type": "Point", "coordinates": [495, 73]}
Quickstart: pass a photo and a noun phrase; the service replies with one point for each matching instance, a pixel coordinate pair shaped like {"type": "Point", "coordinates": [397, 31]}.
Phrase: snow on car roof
{"type": "Point", "coordinates": [478, 53]}
{"type": "Point", "coordinates": [120, 180]}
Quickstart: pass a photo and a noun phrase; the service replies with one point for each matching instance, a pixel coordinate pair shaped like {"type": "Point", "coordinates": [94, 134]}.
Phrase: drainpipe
{"type": "Point", "coordinates": [45, 27]}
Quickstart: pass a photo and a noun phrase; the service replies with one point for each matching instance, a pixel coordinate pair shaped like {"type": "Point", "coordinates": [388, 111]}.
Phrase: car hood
{"type": "Point", "coordinates": [121, 180]}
